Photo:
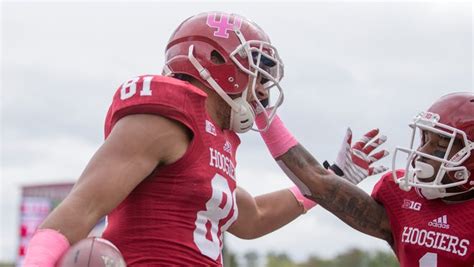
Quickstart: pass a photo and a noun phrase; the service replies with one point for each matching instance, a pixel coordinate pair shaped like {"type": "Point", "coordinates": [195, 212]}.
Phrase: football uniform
{"type": "Point", "coordinates": [178, 214]}
{"type": "Point", "coordinates": [427, 233]}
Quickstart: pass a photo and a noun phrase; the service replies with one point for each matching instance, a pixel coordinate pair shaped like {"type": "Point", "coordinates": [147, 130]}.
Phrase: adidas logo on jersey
{"type": "Point", "coordinates": [441, 222]}
{"type": "Point", "coordinates": [210, 128]}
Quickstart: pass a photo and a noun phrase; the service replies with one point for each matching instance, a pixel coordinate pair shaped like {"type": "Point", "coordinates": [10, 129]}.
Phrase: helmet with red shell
{"type": "Point", "coordinates": [226, 52]}
{"type": "Point", "coordinates": [451, 116]}
{"type": "Point", "coordinates": [457, 111]}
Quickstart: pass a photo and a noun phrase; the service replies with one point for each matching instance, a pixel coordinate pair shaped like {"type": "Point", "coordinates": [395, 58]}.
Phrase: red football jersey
{"type": "Point", "coordinates": [427, 233]}
{"type": "Point", "coordinates": [178, 214]}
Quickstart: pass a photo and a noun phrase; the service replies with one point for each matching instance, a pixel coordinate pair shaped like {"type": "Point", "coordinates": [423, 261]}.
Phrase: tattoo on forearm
{"type": "Point", "coordinates": [343, 199]}
{"type": "Point", "coordinates": [300, 158]}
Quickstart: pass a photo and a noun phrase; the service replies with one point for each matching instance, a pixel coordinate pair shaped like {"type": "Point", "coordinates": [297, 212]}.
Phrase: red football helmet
{"type": "Point", "coordinates": [451, 116]}
{"type": "Point", "coordinates": [229, 54]}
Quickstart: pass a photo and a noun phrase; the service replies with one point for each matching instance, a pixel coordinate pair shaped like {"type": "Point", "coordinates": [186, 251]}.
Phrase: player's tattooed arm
{"type": "Point", "coordinates": [342, 198]}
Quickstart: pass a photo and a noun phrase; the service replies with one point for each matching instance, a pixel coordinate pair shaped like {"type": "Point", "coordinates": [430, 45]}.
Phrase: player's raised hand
{"type": "Point", "coordinates": [355, 163]}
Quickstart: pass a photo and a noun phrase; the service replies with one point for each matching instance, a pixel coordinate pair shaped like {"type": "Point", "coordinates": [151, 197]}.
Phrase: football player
{"type": "Point", "coordinates": [425, 211]}
{"type": "Point", "coordinates": [165, 174]}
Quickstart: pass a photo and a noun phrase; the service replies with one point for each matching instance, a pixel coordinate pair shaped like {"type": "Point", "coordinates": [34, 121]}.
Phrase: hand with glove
{"type": "Point", "coordinates": [356, 163]}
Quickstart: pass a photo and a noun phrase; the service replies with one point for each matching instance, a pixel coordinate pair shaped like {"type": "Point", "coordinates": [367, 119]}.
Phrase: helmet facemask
{"type": "Point", "coordinates": [260, 62]}
{"type": "Point", "coordinates": [246, 62]}
{"type": "Point", "coordinates": [264, 67]}
{"type": "Point", "coordinates": [416, 170]}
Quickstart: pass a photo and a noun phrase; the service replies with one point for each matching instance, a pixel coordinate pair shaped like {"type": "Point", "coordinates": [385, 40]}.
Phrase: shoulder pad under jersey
{"type": "Point", "coordinates": [155, 94]}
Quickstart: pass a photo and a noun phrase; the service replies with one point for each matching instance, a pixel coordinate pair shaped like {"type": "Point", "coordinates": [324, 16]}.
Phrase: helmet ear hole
{"type": "Point", "coordinates": [217, 58]}
{"type": "Point", "coordinates": [183, 77]}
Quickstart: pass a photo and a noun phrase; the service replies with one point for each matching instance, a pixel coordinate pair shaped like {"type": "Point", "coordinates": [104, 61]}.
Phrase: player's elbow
{"type": "Point", "coordinates": [251, 229]}
{"type": "Point", "coordinates": [89, 209]}
{"type": "Point", "coordinates": [247, 234]}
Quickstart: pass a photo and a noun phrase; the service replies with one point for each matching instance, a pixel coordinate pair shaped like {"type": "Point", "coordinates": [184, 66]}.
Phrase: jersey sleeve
{"type": "Point", "coordinates": [152, 94]}
{"type": "Point", "coordinates": [385, 186]}
{"type": "Point", "coordinates": [377, 191]}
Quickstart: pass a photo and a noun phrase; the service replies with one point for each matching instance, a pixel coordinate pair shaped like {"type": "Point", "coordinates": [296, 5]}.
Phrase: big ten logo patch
{"type": "Point", "coordinates": [411, 205]}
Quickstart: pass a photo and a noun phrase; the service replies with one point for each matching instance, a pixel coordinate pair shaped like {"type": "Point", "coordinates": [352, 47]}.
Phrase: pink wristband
{"type": "Point", "coordinates": [305, 202]}
{"type": "Point", "coordinates": [45, 248]}
{"type": "Point", "coordinates": [277, 137]}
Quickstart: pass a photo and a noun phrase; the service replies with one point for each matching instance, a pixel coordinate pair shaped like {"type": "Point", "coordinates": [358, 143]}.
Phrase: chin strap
{"type": "Point", "coordinates": [434, 193]}
{"type": "Point", "coordinates": [242, 116]}
{"type": "Point", "coordinates": [166, 70]}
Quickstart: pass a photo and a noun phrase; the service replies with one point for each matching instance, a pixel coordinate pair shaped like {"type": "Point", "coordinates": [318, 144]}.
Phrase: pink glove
{"type": "Point", "coordinates": [355, 163]}
{"type": "Point", "coordinates": [45, 248]}
{"type": "Point", "coordinates": [306, 203]}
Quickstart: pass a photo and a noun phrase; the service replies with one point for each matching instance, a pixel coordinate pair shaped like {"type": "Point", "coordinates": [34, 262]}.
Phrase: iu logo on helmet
{"type": "Point", "coordinates": [223, 25]}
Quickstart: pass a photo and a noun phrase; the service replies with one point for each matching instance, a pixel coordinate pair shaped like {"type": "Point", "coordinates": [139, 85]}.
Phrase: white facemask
{"type": "Point", "coordinates": [415, 176]}
{"type": "Point", "coordinates": [425, 170]}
